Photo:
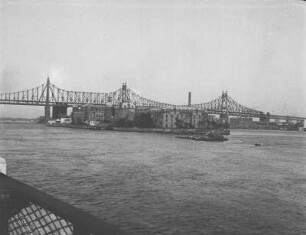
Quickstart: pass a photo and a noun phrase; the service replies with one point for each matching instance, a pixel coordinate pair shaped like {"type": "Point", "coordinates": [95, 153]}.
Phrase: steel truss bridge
{"type": "Point", "coordinates": [48, 95]}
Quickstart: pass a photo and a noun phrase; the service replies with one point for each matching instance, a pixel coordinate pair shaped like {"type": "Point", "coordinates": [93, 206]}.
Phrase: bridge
{"type": "Point", "coordinates": [49, 95]}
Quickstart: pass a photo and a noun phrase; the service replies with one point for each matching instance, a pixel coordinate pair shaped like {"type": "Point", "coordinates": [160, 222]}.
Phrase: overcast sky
{"type": "Point", "coordinates": [161, 48]}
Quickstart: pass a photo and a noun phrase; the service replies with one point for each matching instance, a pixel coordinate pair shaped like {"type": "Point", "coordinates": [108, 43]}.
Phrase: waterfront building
{"type": "Point", "coordinates": [91, 112]}
{"type": "Point", "coordinates": [242, 122]}
{"type": "Point", "coordinates": [129, 116]}
{"type": "Point", "coordinates": [77, 115]}
{"type": "Point", "coordinates": [124, 114]}
{"type": "Point", "coordinates": [175, 118]}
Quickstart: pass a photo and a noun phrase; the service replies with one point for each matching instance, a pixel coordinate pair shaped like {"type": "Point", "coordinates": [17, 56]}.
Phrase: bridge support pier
{"type": "Point", "coordinates": [47, 107]}
{"type": "Point", "coordinates": [225, 120]}
{"type": "Point", "coordinates": [47, 113]}
{"type": "Point", "coordinates": [224, 110]}
{"type": "Point", "coordinates": [265, 119]}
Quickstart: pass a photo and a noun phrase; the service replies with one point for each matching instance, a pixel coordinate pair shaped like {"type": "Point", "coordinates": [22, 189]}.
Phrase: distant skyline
{"type": "Point", "coordinates": [163, 49]}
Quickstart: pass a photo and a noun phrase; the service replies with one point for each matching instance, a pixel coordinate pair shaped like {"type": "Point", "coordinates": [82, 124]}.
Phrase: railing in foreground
{"type": "Point", "coordinates": [26, 210]}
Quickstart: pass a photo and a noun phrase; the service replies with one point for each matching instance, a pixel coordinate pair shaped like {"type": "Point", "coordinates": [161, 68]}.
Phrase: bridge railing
{"type": "Point", "coordinates": [26, 210]}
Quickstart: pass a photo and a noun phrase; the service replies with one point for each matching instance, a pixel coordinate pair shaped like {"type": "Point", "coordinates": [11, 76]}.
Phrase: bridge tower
{"type": "Point", "coordinates": [124, 96]}
{"type": "Point", "coordinates": [47, 107]}
{"type": "Point", "coordinates": [224, 109]}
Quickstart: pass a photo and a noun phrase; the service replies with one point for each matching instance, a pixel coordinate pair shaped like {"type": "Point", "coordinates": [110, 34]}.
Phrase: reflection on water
{"type": "Point", "coordinates": [157, 184]}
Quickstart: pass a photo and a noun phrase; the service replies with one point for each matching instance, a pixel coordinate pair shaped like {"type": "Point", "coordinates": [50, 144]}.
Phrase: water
{"type": "Point", "coordinates": [157, 184]}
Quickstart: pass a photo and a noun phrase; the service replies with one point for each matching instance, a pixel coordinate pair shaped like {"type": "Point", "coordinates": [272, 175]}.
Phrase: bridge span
{"type": "Point", "coordinates": [49, 95]}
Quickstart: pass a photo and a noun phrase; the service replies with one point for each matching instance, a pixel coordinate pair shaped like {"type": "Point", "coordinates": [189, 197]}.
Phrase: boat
{"type": "Point", "coordinates": [210, 136]}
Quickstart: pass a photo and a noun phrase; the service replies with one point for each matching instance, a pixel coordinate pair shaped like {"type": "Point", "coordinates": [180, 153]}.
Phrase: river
{"type": "Point", "coordinates": [149, 183]}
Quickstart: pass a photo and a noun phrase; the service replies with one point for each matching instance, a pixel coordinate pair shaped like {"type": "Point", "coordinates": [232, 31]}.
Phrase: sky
{"type": "Point", "coordinates": [163, 49]}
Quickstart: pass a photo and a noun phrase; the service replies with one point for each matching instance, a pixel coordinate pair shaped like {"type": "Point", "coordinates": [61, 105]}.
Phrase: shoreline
{"type": "Point", "coordinates": [160, 130]}
{"type": "Point", "coordinates": [134, 129]}
{"type": "Point", "coordinates": [190, 131]}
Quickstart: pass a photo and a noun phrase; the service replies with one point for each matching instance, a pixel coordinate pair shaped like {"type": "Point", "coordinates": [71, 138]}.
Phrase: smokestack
{"type": "Point", "coordinates": [189, 98]}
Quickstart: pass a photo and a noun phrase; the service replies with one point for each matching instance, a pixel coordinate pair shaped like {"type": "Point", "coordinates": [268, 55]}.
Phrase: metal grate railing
{"type": "Point", "coordinates": [26, 210]}
{"type": "Point", "coordinates": [37, 221]}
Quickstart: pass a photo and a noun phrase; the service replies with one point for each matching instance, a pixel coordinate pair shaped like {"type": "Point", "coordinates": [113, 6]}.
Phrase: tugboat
{"type": "Point", "coordinates": [210, 136]}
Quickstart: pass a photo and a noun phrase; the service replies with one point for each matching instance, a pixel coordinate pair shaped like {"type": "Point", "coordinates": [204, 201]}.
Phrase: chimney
{"type": "Point", "coordinates": [189, 98]}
